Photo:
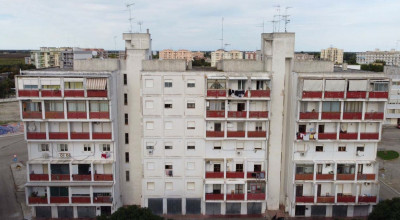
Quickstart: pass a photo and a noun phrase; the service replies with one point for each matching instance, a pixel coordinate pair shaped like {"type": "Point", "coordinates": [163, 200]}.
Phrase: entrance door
{"type": "Point", "coordinates": [299, 190]}
{"type": "Point", "coordinates": [300, 210]}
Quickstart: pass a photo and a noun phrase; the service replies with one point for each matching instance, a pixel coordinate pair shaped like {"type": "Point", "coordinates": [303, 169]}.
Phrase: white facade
{"type": "Point", "coordinates": [390, 57]}
{"type": "Point", "coordinates": [225, 55]}
{"type": "Point", "coordinates": [393, 106]}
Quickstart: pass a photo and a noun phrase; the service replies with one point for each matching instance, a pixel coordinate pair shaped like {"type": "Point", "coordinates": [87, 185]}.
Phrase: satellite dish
{"type": "Point", "coordinates": [31, 127]}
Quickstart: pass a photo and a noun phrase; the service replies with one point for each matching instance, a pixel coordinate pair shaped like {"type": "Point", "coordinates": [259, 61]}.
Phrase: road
{"type": "Point", "coordinates": [10, 209]}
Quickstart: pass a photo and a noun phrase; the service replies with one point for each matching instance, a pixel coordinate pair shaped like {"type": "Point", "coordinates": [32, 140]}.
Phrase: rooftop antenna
{"type": "Point", "coordinates": [140, 23]}
{"type": "Point", "coordinates": [130, 15]}
{"type": "Point", "coordinates": [278, 10]}
{"type": "Point", "coordinates": [222, 33]}
{"type": "Point", "coordinates": [273, 25]}
{"type": "Point", "coordinates": [262, 25]}
{"type": "Point", "coordinates": [285, 17]}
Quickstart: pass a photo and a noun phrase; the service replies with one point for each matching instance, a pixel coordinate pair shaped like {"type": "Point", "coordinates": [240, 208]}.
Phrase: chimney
{"type": "Point", "coordinates": [147, 30]}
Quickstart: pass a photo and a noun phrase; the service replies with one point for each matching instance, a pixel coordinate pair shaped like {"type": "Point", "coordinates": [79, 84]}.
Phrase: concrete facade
{"type": "Point", "coordinates": [393, 106]}
{"type": "Point", "coordinates": [332, 54]}
{"type": "Point", "coordinates": [225, 55]}
{"type": "Point", "coordinates": [390, 57]}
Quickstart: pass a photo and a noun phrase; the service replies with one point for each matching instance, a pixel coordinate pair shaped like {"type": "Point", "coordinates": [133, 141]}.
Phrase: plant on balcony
{"type": "Point", "coordinates": [388, 155]}
{"type": "Point", "coordinates": [131, 212]}
{"type": "Point", "coordinates": [387, 209]}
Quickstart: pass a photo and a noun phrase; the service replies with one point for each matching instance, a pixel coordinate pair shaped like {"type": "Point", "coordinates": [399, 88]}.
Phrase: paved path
{"type": "Point", "coordinates": [10, 209]}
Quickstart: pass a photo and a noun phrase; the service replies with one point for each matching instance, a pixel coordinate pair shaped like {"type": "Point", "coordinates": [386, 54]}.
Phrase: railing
{"type": "Point", "coordinates": [356, 94]}
{"type": "Point", "coordinates": [51, 93]}
{"type": "Point", "coordinates": [236, 114]}
{"type": "Point", "coordinates": [367, 199]}
{"type": "Point", "coordinates": [258, 114]}
{"type": "Point", "coordinates": [255, 196]}
{"type": "Point", "coordinates": [33, 115]}
{"type": "Point", "coordinates": [212, 196]}
{"type": "Point", "coordinates": [81, 177]}
{"type": "Point", "coordinates": [305, 199]}
{"type": "Point", "coordinates": [39, 177]}
{"type": "Point", "coordinates": [37, 200]}
{"type": "Point", "coordinates": [215, 113]}
{"type": "Point", "coordinates": [348, 136]}
{"type": "Point", "coordinates": [96, 93]}
{"type": "Point", "coordinates": [334, 95]}
{"type": "Point", "coordinates": [345, 176]}
{"type": "Point", "coordinates": [72, 115]}
{"type": "Point", "coordinates": [80, 199]}
{"type": "Point", "coordinates": [105, 115]}
{"type": "Point", "coordinates": [235, 196]}
{"type": "Point", "coordinates": [102, 199]}
{"type": "Point", "coordinates": [260, 134]}
{"type": "Point", "coordinates": [325, 199]}
{"type": "Point", "coordinates": [312, 94]}
{"type": "Point", "coordinates": [236, 133]}
{"type": "Point", "coordinates": [60, 177]}
{"type": "Point", "coordinates": [309, 115]}
{"type": "Point", "coordinates": [216, 93]}
{"type": "Point", "coordinates": [352, 115]}
{"type": "Point", "coordinates": [379, 95]}
{"type": "Point", "coordinates": [346, 199]}
{"type": "Point", "coordinates": [374, 115]}
{"type": "Point", "coordinates": [54, 115]}
{"type": "Point", "coordinates": [59, 199]}
{"type": "Point", "coordinates": [80, 135]}
{"type": "Point", "coordinates": [103, 177]}
{"type": "Point", "coordinates": [234, 174]}
{"type": "Point", "coordinates": [74, 93]}
{"type": "Point", "coordinates": [214, 134]}
{"type": "Point", "coordinates": [101, 135]}
{"type": "Point", "coordinates": [369, 136]}
{"type": "Point", "coordinates": [58, 135]}
{"type": "Point", "coordinates": [327, 136]}
{"type": "Point", "coordinates": [28, 93]}
{"type": "Point", "coordinates": [36, 135]}
{"type": "Point", "coordinates": [330, 115]}
{"type": "Point", "coordinates": [260, 93]}
{"type": "Point", "coordinates": [366, 176]}
{"type": "Point", "coordinates": [214, 174]}
{"type": "Point", "coordinates": [324, 176]}
{"type": "Point", "coordinates": [308, 176]}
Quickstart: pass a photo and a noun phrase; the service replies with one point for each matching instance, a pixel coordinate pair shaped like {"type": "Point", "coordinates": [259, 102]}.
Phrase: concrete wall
{"type": "Point", "coordinates": [392, 70]}
{"type": "Point", "coordinates": [97, 65]}
{"type": "Point", "coordinates": [242, 66]}
{"type": "Point", "coordinates": [164, 65]}
{"type": "Point", "coordinates": [313, 66]}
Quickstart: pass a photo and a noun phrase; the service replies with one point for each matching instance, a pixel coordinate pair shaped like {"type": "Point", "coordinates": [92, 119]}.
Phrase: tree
{"type": "Point", "coordinates": [387, 209]}
{"type": "Point", "coordinates": [131, 212]}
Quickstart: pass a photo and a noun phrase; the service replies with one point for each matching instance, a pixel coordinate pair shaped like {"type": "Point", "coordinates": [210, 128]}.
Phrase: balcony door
{"type": "Point", "coordinates": [217, 168]}
{"type": "Point", "coordinates": [241, 107]}
{"type": "Point", "coordinates": [217, 127]}
{"type": "Point", "coordinates": [319, 190]}
{"type": "Point", "coordinates": [216, 189]}
{"type": "Point", "coordinates": [299, 190]}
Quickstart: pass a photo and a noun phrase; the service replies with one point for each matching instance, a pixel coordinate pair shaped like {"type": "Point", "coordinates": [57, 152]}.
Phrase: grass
{"type": "Point", "coordinates": [388, 155]}
{"type": "Point", "coordinates": [11, 61]}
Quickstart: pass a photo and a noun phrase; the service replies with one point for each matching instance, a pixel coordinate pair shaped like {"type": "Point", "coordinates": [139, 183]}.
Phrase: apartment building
{"type": "Point", "coordinates": [225, 55]}
{"type": "Point", "coordinates": [68, 56]}
{"type": "Point", "coordinates": [303, 57]}
{"type": "Point", "coordinates": [46, 57]}
{"type": "Point", "coordinates": [393, 106]}
{"type": "Point", "coordinates": [72, 142]}
{"type": "Point", "coordinates": [169, 54]}
{"type": "Point", "coordinates": [332, 54]}
{"type": "Point", "coordinates": [392, 57]}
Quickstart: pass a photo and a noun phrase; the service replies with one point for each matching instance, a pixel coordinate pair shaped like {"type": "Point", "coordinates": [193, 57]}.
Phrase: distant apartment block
{"type": "Point", "coordinates": [393, 106]}
{"type": "Point", "coordinates": [225, 55]}
{"type": "Point", "coordinates": [198, 55]}
{"type": "Point", "coordinates": [390, 57]}
{"type": "Point", "coordinates": [252, 55]}
{"type": "Point", "coordinates": [169, 54]}
{"type": "Point", "coordinates": [46, 57]}
{"type": "Point", "coordinates": [68, 56]}
{"type": "Point", "coordinates": [303, 57]}
{"type": "Point", "coordinates": [332, 54]}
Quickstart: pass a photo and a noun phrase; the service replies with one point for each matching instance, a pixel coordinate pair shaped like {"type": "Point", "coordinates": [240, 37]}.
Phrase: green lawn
{"type": "Point", "coordinates": [11, 61]}
{"type": "Point", "coordinates": [388, 155]}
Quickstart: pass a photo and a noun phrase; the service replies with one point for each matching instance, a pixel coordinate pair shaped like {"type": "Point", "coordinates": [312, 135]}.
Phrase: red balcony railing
{"type": "Point", "coordinates": [256, 134]}
{"type": "Point", "coordinates": [37, 200]}
{"type": "Point", "coordinates": [324, 177]}
{"type": "Point", "coordinates": [366, 199]}
{"type": "Point", "coordinates": [50, 115]}
{"type": "Point", "coordinates": [234, 174]}
{"type": "Point", "coordinates": [348, 136]}
{"type": "Point", "coordinates": [256, 175]}
{"type": "Point", "coordinates": [334, 95]}
{"type": "Point", "coordinates": [101, 135]}
{"type": "Point", "coordinates": [374, 115]}
{"type": "Point", "coordinates": [255, 196]}
{"type": "Point", "coordinates": [378, 95]}
{"type": "Point", "coordinates": [28, 93]}
{"type": "Point", "coordinates": [305, 199]}
{"type": "Point", "coordinates": [96, 93]}
{"type": "Point", "coordinates": [327, 136]}
{"type": "Point", "coordinates": [60, 177]}
{"type": "Point", "coordinates": [214, 174]}
{"type": "Point", "coordinates": [309, 115]}
{"type": "Point", "coordinates": [310, 94]}
{"type": "Point", "coordinates": [214, 134]}
{"type": "Point", "coordinates": [325, 199]}
{"type": "Point", "coordinates": [34, 115]}
{"type": "Point", "coordinates": [309, 176]}
{"type": "Point", "coordinates": [345, 176]}
{"type": "Point", "coordinates": [260, 93]}
{"type": "Point", "coordinates": [103, 177]}
{"type": "Point", "coordinates": [216, 93]}
{"type": "Point", "coordinates": [369, 136]}
{"type": "Point", "coordinates": [330, 115]}
{"type": "Point", "coordinates": [258, 114]}
{"type": "Point", "coordinates": [36, 135]}
{"type": "Point", "coordinates": [72, 115]}
{"type": "Point", "coordinates": [51, 93]}
{"type": "Point", "coordinates": [59, 199]}
{"type": "Point", "coordinates": [74, 93]}
{"type": "Point", "coordinates": [102, 199]}
{"type": "Point", "coordinates": [80, 199]}
{"type": "Point", "coordinates": [236, 133]}
{"type": "Point", "coordinates": [80, 135]}
{"type": "Point", "coordinates": [347, 199]}
{"type": "Point", "coordinates": [235, 114]}
{"type": "Point", "coordinates": [235, 196]}
{"type": "Point", "coordinates": [352, 115]}
{"type": "Point", "coordinates": [366, 176]}
{"type": "Point", "coordinates": [216, 114]}
{"type": "Point", "coordinates": [80, 177]}
{"type": "Point", "coordinates": [58, 135]}
{"type": "Point", "coordinates": [212, 196]}
{"type": "Point", "coordinates": [39, 177]}
{"type": "Point", "coordinates": [105, 115]}
{"type": "Point", "coordinates": [356, 94]}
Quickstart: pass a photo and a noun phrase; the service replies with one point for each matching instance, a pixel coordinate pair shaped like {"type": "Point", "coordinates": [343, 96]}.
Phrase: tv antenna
{"type": "Point", "coordinates": [140, 23]}
{"type": "Point", "coordinates": [278, 10]}
{"type": "Point", "coordinates": [130, 15]}
{"type": "Point", "coordinates": [285, 17]}
{"type": "Point", "coordinates": [273, 25]}
{"type": "Point", "coordinates": [262, 25]}
{"type": "Point", "coordinates": [222, 33]}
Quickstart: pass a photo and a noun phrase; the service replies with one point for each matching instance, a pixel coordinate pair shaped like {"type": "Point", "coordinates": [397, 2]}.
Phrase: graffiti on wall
{"type": "Point", "coordinates": [11, 128]}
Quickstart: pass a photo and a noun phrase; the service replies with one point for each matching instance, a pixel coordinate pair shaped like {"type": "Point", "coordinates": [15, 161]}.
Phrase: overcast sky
{"type": "Point", "coordinates": [353, 25]}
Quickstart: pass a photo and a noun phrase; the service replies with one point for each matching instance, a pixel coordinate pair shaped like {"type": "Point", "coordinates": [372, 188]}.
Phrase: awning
{"type": "Point", "coordinates": [96, 84]}
{"type": "Point", "coordinates": [49, 81]}
{"type": "Point", "coordinates": [260, 78]}
{"type": "Point", "coordinates": [73, 79]}
{"type": "Point", "coordinates": [216, 77]}
{"type": "Point", "coordinates": [238, 77]}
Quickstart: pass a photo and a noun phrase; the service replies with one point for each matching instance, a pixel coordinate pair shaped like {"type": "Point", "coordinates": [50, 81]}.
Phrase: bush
{"type": "Point", "coordinates": [387, 209]}
{"type": "Point", "coordinates": [131, 212]}
{"type": "Point", "coordinates": [388, 155]}
{"type": "Point", "coordinates": [372, 67]}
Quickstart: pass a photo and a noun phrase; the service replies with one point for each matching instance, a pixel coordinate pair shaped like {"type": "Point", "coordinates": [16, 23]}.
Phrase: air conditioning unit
{"type": "Point", "coordinates": [45, 155]}
{"type": "Point", "coordinates": [302, 154]}
{"type": "Point", "coordinates": [150, 152]}
{"type": "Point", "coordinates": [368, 164]}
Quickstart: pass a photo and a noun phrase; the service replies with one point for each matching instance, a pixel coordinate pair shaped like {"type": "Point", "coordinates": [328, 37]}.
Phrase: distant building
{"type": "Point", "coordinates": [390, 57]}
{"type": "Point", "coordinates": [250, 55]}
{"type": "Point", "coordinates": [46, 57]}
{"type": "Point", "coordinates": [225, 55]}
{"type": "Point", "coordinates": [303, 57]}
{"type": "Point", "coordinates": [393, 105]}
{"type": "Point", "coordinates": [97, 52]}
{"type": "Point", "coordinates": [332, 54]}
{"type": "Point", "coordinates": [27, 60]}
{"type": "Point", "coordinates": [198, 55]}
{"type": "Point", "coordinates": [69, 55]}
{"type": "Point", "coordinates": [169, 54]}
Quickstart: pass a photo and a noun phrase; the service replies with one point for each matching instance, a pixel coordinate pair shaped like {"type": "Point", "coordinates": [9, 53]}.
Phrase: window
{"type": "Point", "coordinates": [342, 148]}
{"type": "Point", "coordinates": [168, 125]}
{"type": "Point", "coordinates": [191, 125]}
{"type": "Point", "coordinates": [319, 148]}
{"type": "Point", "coordinates": [150, 186]}
{"type": "Point", "coordinates": [191, 146]}
{"type": "Point", "coordinates": [168, 84]}
{"type": "Point", "coordinates": [149, 83]}
{"type": "Point", "coordinates": [239, 145]}
{"type": "Point", "coordinates": [257, 146]}
{"type": "Point", "coordinates": [149, 104]}
{"type": "Point", "coordinates": [168, 146]}
{"type": "Point", "coordinates": [168, 186]}
{"type": "Point", "coordinates": [257, 167]}
{"type": "Point", "coordinates": [105, 147]}
{"type": "Point", "coordinates": [149, 125]}
{"type": "Point", "coordinates": [217, 168]}
{"type": "Point", "coordinates": [241, 84]}
{"type": "Point", "coordinates": [190, 165]}
{"type": "Point", "coordinates": [381, 87]}
{"type": "Point", "coordinates": [260, 84]}
{"type": "Point", "coordinates": [99, 106]}
{"type": "Point", "coordinates": [78, 106]}
{"type": "Point", "coordinates": [360, 149]}
{"type": "Point", "coordinates": [30, 87]}
{"type": "Point", "coordinates": [168, 105]}
{"type": "Point", "coordinates": [126, 138]}
{"type": "Point", "coordinates": [331, 106]}
{"type": "Point", "coordinates": [73, 85]}
{"type": "Point", "coordinates": [304, 168]}
{"type": "Point", "coordinates": [353, 106]}
{"type": "Point", "coordinates": [54, 106]}
{"type": "Point", "coordinates": [87, 147]}
{"type": "Point", "coordinates": [127, 176]}
{"type": "Point", "coordinates": [239, 167]}
{"type": "Point", "coordinates": [125, 99]}
{"type": "Point", "coordinates": [191, 105]}
{"type": "Point", "coordinates": [215, 105]}
{"type": "Point", "coordinates": [63, 147]}
{"type": "Point", "coordinates": [259, 126]}
{"type": "Point", "coordinates": [149, 145]}
{"type": "Point", "coordinates": [217, 146]}
{"type": "Point", "coordinates": [191, 83]}
{"type": "Point", "coordinates": [126, 119]}
{"type": "Point", "coordinates": [125, 79]}
{"type": "Point", "coordinates": [126, 157]}
{"type": "Point", "coordinates": [44, 147]}
{"type": "Point", "coordinates": [168, 166]}
{"type": "Point", "coordinates": [150, 166]}
{"type": "Point", "coordinates": [190, 185]}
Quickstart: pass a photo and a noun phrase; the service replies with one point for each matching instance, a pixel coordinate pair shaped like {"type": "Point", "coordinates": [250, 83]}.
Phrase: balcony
{"type": "Point", "coordinates": [356, 94]}
{"type": "Point", "coordinates": [36, 135]}
{"type": "Point", "coordinates": [58, 135]}
{"type": "Point", "coordinates": [32, 115]}
{"type": "Point", "coordinates": [234, 174]}
{"type": "Point", "coordinates": [235, 114]}
{"type": "Point", "coordinates": [352, 115]}
{"type": "Point", "coordinates": [212, 196]}
{"type": "Point", "coordinates": [214, 134]}
{"type": "Point", "coordinates": [59, 199]}
{"type": "Point", "coordinates": [103, 177]}
{"type": "Point", "coordinates": [39, 177]}
{"type": "Point", "coordinates": [367, 199]}
{"type": "Point", "coordinates": [256, 175]}
{"type": "Point", "coordinates": [80, 135]}
{"type": "Point", "coordinates": [257, 134]}
{"type": "Point", "coordinates": [37, 200]}
{"type": "Point", "coordinates": [374, 116]}
{"type": "Point", "coordinates": [102, 199]}
{"type": "Point", "coordinates": [80, 177]}
{"type": "Point", "coordinates": [327, 136]}
{"type": "Point", "coordinates": [255, 196]}
{"type": "Point", "coordinates": [55, 115]}
{"type": "Point", "coordinates": [99, 115]}
{"type": "Point", "coordinates": [330, 115]}
{"type": "Point", "coordinates": [76, 115]}
{"type": "Point", "coordinates": [308, 176]}
{"type": "Point", "coordinates": [346, 199]}
{"type": "Point", "coordinates": [216, 114]}
{"type": "Point", "coordinates": [214, 175]}
{"type": "Point", "coordinates": [28, 93]}
{"type": "Point", "coordinates": [378, 95]}
{"type": "Point", "coordinates": [51, 93]}
{"type": "Point", "coordinates": [309, 115]}
{"type": "Point", "coordinates": [80, 199]}
{"type": "Point", "coordinates": [236, 133]}
{"type": "Point", "coordinates": [324, 176]}
{"type": "Point", "coordinates": [366, 176]}
{"type": "Point", "coordinates": [369, 136]}
{"type": "Point", "coordinates": [101, 135]}
{"type": "Point", "coordinates": [235, 196]}
{"type": "Point", "coordinates": [96, 93]}
{"type": "Point", "coordinates": [325, 199]}
{"type": "Point", "coordinates": [258, 114]}
{"type": "Point", "coordinates": [334, 95]}
{"type": "Point", "coordinates": [60, 177]}
{"type": "Point", "coordinates": [74, 93]}
{"type": "Point", "coordinates": [345, 176]}
{"type": "Point", "coordinates": [348, 136]}
{"type": "Point", "coordinates": [260, 93]}
{"type": "Point", "coordinates": [309, 94]}
{"type": "Point", "coordinates": [305, 199]}
{"type": "Point", "coordinates": [216, 93]}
